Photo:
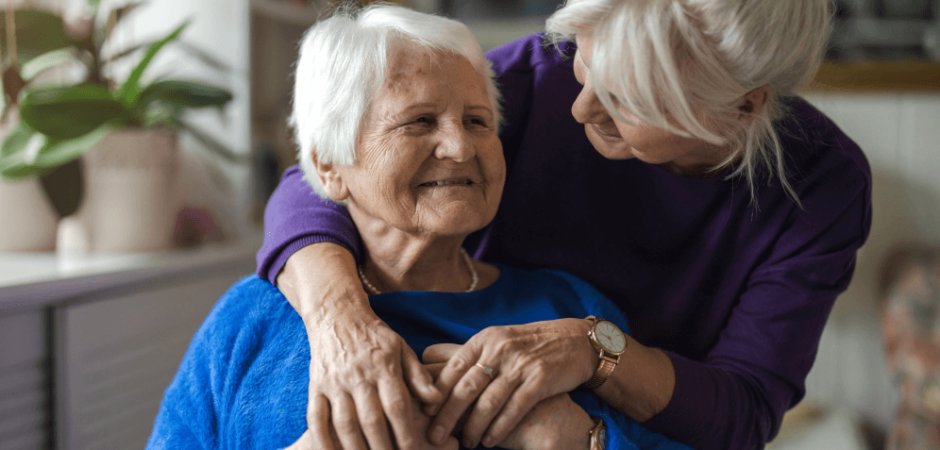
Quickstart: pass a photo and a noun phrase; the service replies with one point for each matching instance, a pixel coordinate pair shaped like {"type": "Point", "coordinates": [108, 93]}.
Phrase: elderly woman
{"type": "Point", "coordinates": [660, 152]}
{"type": "Point", "coordinates": [420, 171]}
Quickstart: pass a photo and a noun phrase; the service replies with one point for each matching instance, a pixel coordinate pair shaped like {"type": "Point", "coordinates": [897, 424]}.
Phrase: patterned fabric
{"type": "Point", "coordinates": [911, 325]}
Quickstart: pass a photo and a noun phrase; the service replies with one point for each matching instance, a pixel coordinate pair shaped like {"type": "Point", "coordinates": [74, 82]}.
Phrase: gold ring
{"type": "Point", "coordinates": [486, 369]}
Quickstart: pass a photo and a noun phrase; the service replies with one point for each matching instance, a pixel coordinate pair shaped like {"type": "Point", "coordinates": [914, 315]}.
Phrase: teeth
{"type": "Point", "coordinates": [447, 183]}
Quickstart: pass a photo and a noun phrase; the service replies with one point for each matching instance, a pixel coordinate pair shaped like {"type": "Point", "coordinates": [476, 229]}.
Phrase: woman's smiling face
{"type": "Point", "coordinates": [615, 139]}
{"type": "Point", "coordinates": [428, 159]}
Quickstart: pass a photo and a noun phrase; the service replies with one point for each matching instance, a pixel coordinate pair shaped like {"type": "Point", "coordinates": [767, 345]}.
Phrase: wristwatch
{"type": "Point", "coordinates": [598, 435]}
{"type": "Point", "coordinates": [610, 342]}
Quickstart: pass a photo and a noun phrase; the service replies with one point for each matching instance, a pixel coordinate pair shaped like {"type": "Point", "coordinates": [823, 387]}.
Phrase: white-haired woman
{"type": "Point", "coordinates": [423, 169]}
{"type": "Point", "coordinates": [660, 152]}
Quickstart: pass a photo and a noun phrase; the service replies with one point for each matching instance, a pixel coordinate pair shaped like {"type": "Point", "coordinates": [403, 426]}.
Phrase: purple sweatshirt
{"type": "Point", "coordinates": [736, 295]}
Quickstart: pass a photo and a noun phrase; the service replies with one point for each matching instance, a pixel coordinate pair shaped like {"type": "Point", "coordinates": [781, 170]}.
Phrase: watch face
{"type": "Point", "coordinates": [610, 337]}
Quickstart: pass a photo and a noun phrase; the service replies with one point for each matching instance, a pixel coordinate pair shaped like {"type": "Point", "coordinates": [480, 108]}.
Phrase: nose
{"type": "Point", "coordinates": [587, 108]}
{"type": "Point", "coordinates": [455, 144]}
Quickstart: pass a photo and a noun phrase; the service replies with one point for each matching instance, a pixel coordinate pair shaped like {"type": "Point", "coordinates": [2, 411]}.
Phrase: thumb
{"type": "Point", "coordinates": [439, 353]}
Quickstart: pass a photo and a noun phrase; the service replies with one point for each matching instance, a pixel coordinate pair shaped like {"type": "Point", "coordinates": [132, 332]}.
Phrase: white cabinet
{"type": "Point", "coordinates": [86, 353]}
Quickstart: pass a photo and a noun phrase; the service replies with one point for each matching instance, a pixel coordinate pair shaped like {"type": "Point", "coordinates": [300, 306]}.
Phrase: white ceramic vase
{"type": "Point", "coordinates": [27, 219]}
{"type": "Point", "coordinates": [130, 197]}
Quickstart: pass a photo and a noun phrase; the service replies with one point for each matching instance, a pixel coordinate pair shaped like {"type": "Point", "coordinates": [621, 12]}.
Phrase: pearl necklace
{"type": "Point", "coordinates": [473, 276]}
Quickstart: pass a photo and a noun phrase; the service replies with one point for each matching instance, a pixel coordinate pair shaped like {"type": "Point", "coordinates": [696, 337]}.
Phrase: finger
{"type": "Point", "coordinates": [519, 404]}
{"type": "Point", "coordinates": [486, 408]}
{"type": "Point", "coordinates": [439, 353]}
{"type": "Point", "coordinates": [399, 408]}
{"type": "Point", "coordinates": [418, 378]}
{"type": "Point", "coordinates": [318, 421]}
{"type": "Point", "coordinates": [470, 386]}
{"type": "Point", "coordinates": [435, 369]}
{"type": "Point", "coordinates": [346, 423]}
{"type": "Point", "coordinates": [450, 444]}
{"type": "Point", "coordinates": [372, 419]}
{"type": "Point", "coordinates": [455, 370]}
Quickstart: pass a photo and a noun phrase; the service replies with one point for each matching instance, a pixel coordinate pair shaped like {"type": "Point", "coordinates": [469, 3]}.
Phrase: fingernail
{"type": "Point", "coordinates": [489, 441]}
{"type": "Point", "coordinates": [469, 443]}
{"type": "Point", "coordinates": [437, 435]}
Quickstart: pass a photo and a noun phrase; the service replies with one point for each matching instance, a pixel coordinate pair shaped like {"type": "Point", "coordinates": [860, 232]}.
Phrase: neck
{"type": "Point", "coordinates": [399, 261]}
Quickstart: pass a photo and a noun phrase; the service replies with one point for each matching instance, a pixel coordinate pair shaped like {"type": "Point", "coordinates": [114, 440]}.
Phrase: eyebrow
{"type": "Point", "coordinates": [484, 108]}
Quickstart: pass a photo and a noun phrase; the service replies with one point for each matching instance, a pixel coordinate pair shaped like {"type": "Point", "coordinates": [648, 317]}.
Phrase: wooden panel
{"type": "Point", "coordinates": [877, 76]}
{"type": "Point", "coordinates": [25, 416]}
{"type": "Point", "coordinates": [117, 356]}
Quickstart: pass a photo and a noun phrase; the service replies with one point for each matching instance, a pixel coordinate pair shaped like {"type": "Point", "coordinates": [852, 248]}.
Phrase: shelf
{"type": "Point", "coordinates": [877, 76]}
{"type": "Point", "coordinates": [284, 11]}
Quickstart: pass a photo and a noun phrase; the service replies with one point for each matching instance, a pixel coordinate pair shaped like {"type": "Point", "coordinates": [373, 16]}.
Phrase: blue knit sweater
{"type": "Point", "coordinates": [243, 381]}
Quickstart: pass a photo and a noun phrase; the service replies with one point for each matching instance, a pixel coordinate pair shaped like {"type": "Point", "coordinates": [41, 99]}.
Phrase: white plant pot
{"type": "Point", "coordinates": [130, 197]}
{"type": "Point", "coordinates": [27, 220]}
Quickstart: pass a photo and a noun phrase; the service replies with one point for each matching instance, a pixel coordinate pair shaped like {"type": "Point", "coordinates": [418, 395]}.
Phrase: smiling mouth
{"type": "Point", "coordinates": [447, 183]}
{"type": "Point", "coordinates": [605, 134]}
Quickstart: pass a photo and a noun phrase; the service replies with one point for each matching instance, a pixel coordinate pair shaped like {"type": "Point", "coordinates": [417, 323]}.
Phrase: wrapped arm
{"type": "Point", "coordinates": [296, 217]}
{"type": "Point", "coordinates": [736, 397]}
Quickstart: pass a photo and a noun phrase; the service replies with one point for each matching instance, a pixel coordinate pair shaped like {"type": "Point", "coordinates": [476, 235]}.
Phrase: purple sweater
{"type": "Point", "coordinates": [737, 296]}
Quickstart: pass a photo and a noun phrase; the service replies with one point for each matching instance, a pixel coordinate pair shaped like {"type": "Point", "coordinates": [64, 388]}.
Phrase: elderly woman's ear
{"type": "Point", "coordinates": [330, 178]}
{"type": "Point", "coordinates": [753, 104]}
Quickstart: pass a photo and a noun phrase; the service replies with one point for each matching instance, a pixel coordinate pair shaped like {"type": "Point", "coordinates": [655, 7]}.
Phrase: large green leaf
{"type": "Point", "coordinates": [71, 111]}
{"type": "Point", "coordinates": [37, 32]}
{"type": "Point", "coordinates": [130, 91]}
{"type": "Point", "coordinates": [32, 68]}
{"type": "Point", "coordinates": [18, 152]}
{"type": "Point", "coordinates": [185, 93]}
{"type": "Point", "coordinates": [58, 152]}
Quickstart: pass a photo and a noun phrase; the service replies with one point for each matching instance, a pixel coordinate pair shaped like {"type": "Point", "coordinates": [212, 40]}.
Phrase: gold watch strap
{"type": "Point", "coordinates": [598, 435]}
{"type": "Point", "coordinates": [604, 369]}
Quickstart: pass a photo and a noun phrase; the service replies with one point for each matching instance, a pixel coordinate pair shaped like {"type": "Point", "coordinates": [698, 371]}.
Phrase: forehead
{"type": "Point", "coordinates": [413, 69]}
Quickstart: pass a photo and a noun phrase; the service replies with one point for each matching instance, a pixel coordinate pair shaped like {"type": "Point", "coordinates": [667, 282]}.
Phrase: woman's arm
{"type": "Point", "coordinates": [358, 364]}
{"type": "Point", "coordinates": [537, 361]}
{"type": "Point", "coordinates": [735, 397]}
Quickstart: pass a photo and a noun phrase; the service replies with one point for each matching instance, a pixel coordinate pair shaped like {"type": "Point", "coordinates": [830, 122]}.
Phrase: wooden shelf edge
{"type": "Point", "coordinates": [877, 76]}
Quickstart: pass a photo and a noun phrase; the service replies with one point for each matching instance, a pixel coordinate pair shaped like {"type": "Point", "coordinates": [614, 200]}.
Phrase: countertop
{"type": "Point", "coordinates": [31, 280]}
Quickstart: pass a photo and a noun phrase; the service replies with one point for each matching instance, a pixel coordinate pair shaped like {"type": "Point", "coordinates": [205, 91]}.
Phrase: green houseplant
{"type": "Point", "coordinates": [59, 124]}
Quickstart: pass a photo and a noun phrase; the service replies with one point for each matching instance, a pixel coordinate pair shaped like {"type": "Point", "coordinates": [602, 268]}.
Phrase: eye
{"type": "Point", "coordinates": [476, 122]}
{"type": "Point", "coordinates": [423, 120]}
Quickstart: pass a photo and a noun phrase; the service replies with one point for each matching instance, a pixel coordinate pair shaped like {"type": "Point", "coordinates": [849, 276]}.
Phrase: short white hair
{"type": "Point", "coordinates": [342, 64]}
{"type": "Point", "coordinates": [685, 66]}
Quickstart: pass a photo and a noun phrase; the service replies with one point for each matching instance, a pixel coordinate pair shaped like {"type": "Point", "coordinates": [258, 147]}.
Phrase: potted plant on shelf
{"type": "Point", "coordinates": [127, 133]}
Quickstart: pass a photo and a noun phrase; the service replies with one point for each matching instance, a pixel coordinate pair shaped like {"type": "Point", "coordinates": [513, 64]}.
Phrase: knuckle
{"type": "Point", "coordinates": [469, 385]}
{"type": "Point", "coordinates": [373, 421]}
{"type": "Point", "coordinates": [487, 404]}
{"type": "Point", "coordinates": [461, 362]}
{"type": "Point", "coordinates": [345, 424]}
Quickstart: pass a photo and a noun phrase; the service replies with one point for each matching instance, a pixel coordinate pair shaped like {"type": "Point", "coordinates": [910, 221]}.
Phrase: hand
{"type": "Point", "coordinates": [530, 363]}
{"type": "Point", "coordinates": [308, 441]}
{"type": "Point", "coordinates": [359, 368]}
{"type": "Point", "coordinates": [554, 423]}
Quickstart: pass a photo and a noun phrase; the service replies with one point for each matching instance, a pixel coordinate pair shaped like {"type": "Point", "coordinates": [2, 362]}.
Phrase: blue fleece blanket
{"type": "Point", "coordinates": [243, 381]}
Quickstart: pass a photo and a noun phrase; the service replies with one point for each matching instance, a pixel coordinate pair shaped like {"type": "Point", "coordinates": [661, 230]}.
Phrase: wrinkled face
{"type": "Point", "coordinates": [619, 140]}
{"type": "Point", "coordinates": [428, 159]}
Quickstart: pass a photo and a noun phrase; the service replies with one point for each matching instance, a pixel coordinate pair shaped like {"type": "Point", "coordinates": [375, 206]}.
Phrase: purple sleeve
{"type": "Point", "coordinates": [736, 397]}
{"type": "Point", "coordinates": [296, 217]}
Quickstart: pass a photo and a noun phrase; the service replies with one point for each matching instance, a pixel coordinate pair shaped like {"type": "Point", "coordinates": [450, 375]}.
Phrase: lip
{"type": "Point", "coordinates": [453, 181]}
{"type": "Point", "coordinates": [606, 134]}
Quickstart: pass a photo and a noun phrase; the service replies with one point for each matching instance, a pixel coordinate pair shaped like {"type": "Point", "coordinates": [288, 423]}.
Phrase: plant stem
{"type": "Point", "coordinates": [11, 33]}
